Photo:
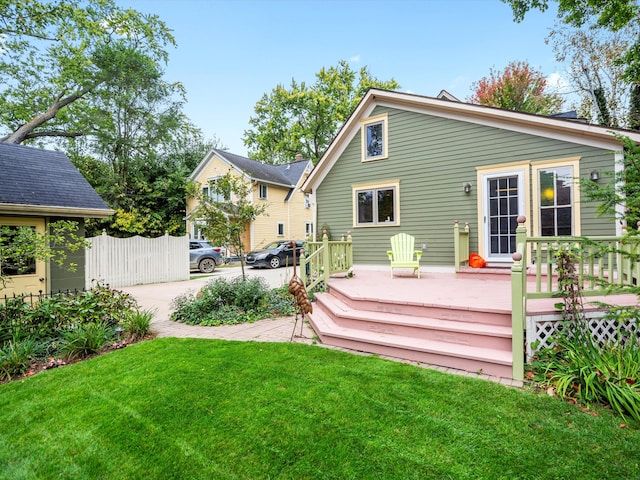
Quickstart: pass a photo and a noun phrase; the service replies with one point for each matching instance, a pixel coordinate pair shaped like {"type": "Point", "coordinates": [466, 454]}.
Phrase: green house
{"type": "Point", "coordinates": [416, 164]}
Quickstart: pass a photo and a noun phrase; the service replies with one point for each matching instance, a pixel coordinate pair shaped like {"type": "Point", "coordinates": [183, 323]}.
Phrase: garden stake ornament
{"type": "Point", "coordinates": [299, 292]}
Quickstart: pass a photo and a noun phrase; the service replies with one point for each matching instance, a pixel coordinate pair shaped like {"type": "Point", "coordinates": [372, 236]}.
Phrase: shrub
{"type": "Point", "coordinates": [136, 324]}
{"type": "Point", "coordinates": [16, 356]}
{"type": "Point", "coordinates": [230, 302]}
{"type": "Point", "coordinates": [85, 339]}
{"type": "Point", "coordinates": [580, 368]}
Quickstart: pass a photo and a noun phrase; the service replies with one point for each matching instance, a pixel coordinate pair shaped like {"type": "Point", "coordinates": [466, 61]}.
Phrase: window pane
{"type": "Point", "coordinates": [547, 193]}
{"type": "Point", "coordinates": [564, 221]}
{"type": "Point", "coordinates": [365, 206]}
{"type": "Point", "coordinates": [547, 222]}
{"type": "Point", "coordinates": [374, 140]}
{"type": "Point", "coordinates": [503, 206]}
{"type": "Point", "coordinates": [563, 190]}
{"type": "Point", "coordinates": [493, 188]}
{"type": "Point", "coordinates": [20, 264]}
{"type": "Point", "coordinates": [385, 205]}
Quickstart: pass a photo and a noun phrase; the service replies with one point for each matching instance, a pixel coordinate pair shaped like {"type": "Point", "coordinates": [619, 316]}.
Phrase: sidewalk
{"type": "Point", "coordinates": [158, 296]}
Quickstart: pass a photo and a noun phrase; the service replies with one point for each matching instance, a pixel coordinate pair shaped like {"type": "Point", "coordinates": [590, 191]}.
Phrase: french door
{"type": "Point", "coordinates": [503, 202]}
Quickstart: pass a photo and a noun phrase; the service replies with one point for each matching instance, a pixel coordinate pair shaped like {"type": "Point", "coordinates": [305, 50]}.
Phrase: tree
{"type": "Point", "coordinates": [53, 62]}
{"type": "Point", "coordinates": [22, 246]}
{"type": "Point", "coordinates": [612, 15]}
{"type": "Point", "coordinates": [519, 87]}
{"type": "Point", "coordinates": [304, 119]}
{"type": "Point", "coordinates": [225, 221]}
{"type": "Point", "coordinates": [620, 196]}
{"type": "Point", "coordinates": [594, 70]}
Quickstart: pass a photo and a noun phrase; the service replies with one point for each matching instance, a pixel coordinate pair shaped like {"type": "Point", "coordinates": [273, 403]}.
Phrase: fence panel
{"type": "Point", "coordinates": [121, 262]}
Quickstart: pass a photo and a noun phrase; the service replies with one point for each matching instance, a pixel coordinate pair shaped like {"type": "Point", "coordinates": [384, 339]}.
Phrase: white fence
{"type": "Point", "coordinates": [121, 262]}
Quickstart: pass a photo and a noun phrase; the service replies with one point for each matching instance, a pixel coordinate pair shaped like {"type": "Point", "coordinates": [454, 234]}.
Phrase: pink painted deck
{"type": "Point", "coordinates": [461, 321]}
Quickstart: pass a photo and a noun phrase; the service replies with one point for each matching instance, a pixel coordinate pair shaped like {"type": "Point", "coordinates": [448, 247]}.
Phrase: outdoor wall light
{"type": "Point", "coordinates": [595, 176]}
{"type": "Point", "coordinates": [467, 187]}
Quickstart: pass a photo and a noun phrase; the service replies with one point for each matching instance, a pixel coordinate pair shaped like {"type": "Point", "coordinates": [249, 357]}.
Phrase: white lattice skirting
{"type": "Point", "coordinates": [541, 329]}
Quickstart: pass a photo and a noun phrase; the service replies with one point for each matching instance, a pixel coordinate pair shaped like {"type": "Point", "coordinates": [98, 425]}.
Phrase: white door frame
{"type": "Point", "coordinates": [521, 170]}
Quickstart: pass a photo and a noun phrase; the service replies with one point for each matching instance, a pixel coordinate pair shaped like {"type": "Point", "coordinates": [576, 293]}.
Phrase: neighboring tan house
{"type": "Point", "coordinates": [38, 187]}
{"type": "Point", "coordinates": [416, 164]}
{"type": "Point", "coordinates": [288, 214]}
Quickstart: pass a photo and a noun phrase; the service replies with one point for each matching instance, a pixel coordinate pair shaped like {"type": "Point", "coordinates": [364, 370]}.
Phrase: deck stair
{"type": "Point", "coordinates": [461, 338]}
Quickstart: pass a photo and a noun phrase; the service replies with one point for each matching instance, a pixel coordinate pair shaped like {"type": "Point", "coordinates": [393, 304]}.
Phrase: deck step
{"type": "Point", "coordinates": [467, 314]}
{"type": "Point", "coordinates": [419, 327]}
{"type": "Point", "coordinates": [490, 361]}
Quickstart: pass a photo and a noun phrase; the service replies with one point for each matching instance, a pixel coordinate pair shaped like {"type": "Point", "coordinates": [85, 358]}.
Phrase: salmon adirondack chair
{"type": "Point", "coordinates": [403, 254]}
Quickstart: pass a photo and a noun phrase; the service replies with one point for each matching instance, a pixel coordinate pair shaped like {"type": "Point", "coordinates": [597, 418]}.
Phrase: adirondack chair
{"type": "Point", "coordinates": [403, 254]}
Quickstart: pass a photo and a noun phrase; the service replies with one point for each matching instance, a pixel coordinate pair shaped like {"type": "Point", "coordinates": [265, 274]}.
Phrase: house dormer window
{"type": "Point", "coordinates": [374, 132]}
{"type": "Point", "coordinates": [262, 191]}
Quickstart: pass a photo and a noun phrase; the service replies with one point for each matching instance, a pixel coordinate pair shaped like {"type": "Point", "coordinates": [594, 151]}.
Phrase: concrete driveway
{"type": "Point", "coordinates": [158, 296]}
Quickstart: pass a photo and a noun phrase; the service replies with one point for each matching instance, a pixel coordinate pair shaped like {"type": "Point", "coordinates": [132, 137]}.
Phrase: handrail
{"type": "Point", "coordinates": [604, 264]}
{"type": "Point", "coordinates": [460, 245]}
{"type": "Point", "coordinates": [324, 259]}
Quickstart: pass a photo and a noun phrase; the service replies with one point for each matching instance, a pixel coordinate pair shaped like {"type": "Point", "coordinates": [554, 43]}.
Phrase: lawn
{"type": "Point", "coordinates": [211, 409]}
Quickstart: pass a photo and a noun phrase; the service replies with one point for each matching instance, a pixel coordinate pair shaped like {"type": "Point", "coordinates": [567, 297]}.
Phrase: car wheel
{"type": "Point", "coordinates": [274, 262]}
{"type": "Point", "coordinates": [207, 265]}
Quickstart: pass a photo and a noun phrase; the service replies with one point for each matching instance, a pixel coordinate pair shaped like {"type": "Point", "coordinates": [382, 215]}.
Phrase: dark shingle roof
{"type": "Point", "coordinates": [45, 178]}
{"type": "Point", "coordinates": [287, 174]}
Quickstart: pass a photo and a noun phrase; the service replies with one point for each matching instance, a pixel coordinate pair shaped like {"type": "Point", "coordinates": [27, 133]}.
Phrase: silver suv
{"type": "Point", "coordinates": [203, 256]}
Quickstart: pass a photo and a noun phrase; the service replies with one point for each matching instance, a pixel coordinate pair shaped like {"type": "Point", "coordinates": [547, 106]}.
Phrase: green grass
{"type": "Point", "coordinates": [211, 409]}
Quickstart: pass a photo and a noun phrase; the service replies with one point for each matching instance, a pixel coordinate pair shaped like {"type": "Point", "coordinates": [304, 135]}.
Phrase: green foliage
{"type": "Point", "coordinates": [223, 301]}
{"type": "Point", "coordinates": [82, 340]}
{"type": "Point", "coordinates": [612, 15]}
{"type": "Point", "coordinates": [224, 221]}
{"type": "Point", "coordinates": [519, 87]}
{"type": "Point", "coordinates": [578, 366]}
{"type": "Point", "coordinates": [54, 71]}
{"type": "Point", "coordinates": [634, 108]}
{"type": "Point", "coordinates": [16, 356]}
{"type": "Point", "coordinates": [136, 324]}
{"type": "Point", "coordinates": [305, 118]}
{"type": "Point", "coordinates": [70, 324]}
{"type": "Point", "coordinates": [621, 193]}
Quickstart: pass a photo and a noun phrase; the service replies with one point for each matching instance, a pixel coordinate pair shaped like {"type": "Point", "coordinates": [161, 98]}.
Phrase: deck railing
{"type": "Point", "coordinates": [460, 245]}
{"type": "Point", "coordinates": [322, 259]}
{"type": "Point", "coordinates": [604, 265]}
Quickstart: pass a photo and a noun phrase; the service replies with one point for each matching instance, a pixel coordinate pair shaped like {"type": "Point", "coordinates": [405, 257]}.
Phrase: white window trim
{"type": "Point", "coordinates": [384, 119]}
{"type": "Point", "coordinates": [266, 191]}
{"type": "Point", "coordinates": [280, 227]}
{"type": "Point", "coordinates": [395, 184]}
{"type": "Point", "coordinates": [574, 162]}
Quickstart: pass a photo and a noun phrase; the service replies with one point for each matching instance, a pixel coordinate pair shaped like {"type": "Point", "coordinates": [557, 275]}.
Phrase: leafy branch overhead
{"type": "Point", "coordinates": [58, 56]}
{"type": "Point", "coordinates": [305, 118]}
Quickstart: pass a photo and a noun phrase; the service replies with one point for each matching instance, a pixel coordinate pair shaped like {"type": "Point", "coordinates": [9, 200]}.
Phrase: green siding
{"type": "Point", "coordinates": [62, 278]}
{"type": "Point", "coordinates": [432, 157]}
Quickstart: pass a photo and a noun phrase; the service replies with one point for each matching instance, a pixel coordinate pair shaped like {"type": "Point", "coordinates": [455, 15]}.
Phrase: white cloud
{"type": "Point", "coordinates": [355, 59]}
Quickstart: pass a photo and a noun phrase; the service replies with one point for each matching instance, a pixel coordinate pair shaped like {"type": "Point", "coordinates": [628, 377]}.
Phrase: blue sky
{"type": "Point", "coordinates": [230, 53]}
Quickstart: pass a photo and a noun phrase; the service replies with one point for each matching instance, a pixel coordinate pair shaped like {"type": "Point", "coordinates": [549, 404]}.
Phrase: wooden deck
{"type": "Point", "coordinates": [461, 321]}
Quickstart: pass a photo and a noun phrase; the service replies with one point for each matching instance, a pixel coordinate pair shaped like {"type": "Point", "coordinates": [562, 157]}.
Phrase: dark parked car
{"type": "Point", "coordinates": [203, 256]}
{"type": "Point", "coordinates": [275, 254]}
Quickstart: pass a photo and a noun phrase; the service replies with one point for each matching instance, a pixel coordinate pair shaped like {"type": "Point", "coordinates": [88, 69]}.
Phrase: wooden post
{"type": "Point", "coordinates": [456, 245]}
{"type": "Point", "coordinates": [326, 258]}
{"type": "Point", "coordinates": [519, 300]}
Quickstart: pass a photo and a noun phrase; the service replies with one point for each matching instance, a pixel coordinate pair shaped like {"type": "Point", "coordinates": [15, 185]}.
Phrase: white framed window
{"type": "Point", "coordinates": [280, 229]}
{"type": "Point", "coordinates": [308, 228]}
{"type": "Point", "coordinates": [376, 204]}
{"type": "Point", "coordinates": [262, 191]}
{"type": "Point", "coordinates": [196, 230]}
{"type": "Point", "coordinates": [374, 133]}
{"type": "Point", "coordinates": [307, 200]}
{"type": "Point", "coordinates": [214, 194]}
{"type": "Point", "coordinates": [556, 198]}
{"type": "Point", "coordinates": [205, 192]}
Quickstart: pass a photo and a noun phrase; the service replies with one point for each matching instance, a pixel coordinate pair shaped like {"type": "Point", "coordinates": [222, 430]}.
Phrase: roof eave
{"type": "Point", "coordinates": [43, 210]}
